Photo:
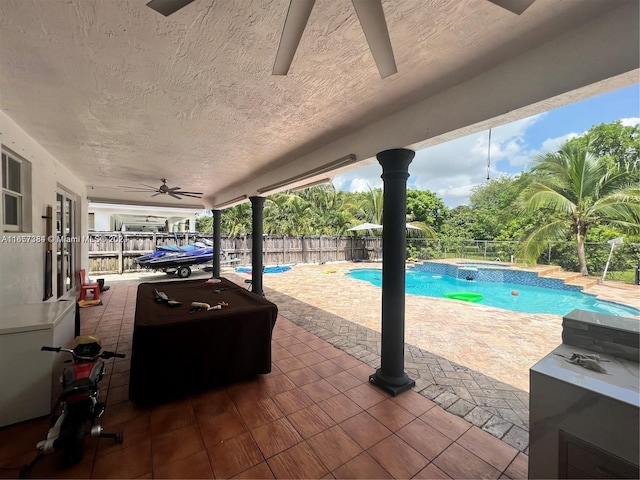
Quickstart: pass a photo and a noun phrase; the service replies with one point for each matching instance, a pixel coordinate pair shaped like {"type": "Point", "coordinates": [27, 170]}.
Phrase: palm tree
{"type": "Point", "coordinates": [578, 190]}
{"type": "Point", "coordinates": [373, 205]}
{"type": "Point", "coordinates": [300, 210]}
{"type": "Point", "coordinates": [366, 207]}
{"type": "Point", "coordinates": [330, 211]}
{"type": "Point", "coordinates": [277, 218]}
{"type": "Point", "coordinates": [425, 230]}
{"type": "Point", "coordinates": [237, 220]}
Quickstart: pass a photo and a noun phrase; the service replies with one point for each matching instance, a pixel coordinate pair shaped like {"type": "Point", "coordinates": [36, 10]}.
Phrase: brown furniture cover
{"type": "Point", "coordinates": [176, 353]}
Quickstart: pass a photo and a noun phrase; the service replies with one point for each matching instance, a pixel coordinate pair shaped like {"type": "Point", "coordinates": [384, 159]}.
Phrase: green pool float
{"type": "Point", "coordinates": [465, 296]}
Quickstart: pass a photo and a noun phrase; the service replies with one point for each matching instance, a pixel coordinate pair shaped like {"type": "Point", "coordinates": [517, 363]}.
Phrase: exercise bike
{"type": "Point", "coordinates": [77, 406]}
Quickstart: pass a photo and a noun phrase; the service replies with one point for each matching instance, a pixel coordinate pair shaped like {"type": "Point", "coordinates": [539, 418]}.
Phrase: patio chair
{"type": "Point", "coordinates": [85, 287]}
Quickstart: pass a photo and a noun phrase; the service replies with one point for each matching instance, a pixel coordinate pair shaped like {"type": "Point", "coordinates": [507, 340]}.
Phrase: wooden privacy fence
{"type": "Point", "coordinates": [114, 252]}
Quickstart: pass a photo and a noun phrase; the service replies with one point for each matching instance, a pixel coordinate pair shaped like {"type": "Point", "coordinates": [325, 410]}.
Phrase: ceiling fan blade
{"type": "Point", "coordinates": [149, 186]}
{"type": "Point", "coordinates": [296, 21]}
{"type": "Point", "coordinates": [131, 188]}
{"type": "Point", "coordinates": [514, 6]}
{"type": "Point", "coordinates": [167, 7]}
{"type": "Point", "coordinates": [172, 189]}
{"type": "Point", "coordinates": [171, 194]}
{"type": "Point", "coordinates": [156, 194]}
{"type": "Point", "coordinates": [182, 192]}
{"type": "Point", "coordinates": [189, 195]}
{"type": "Point", "coordinates": [374, 25]}
{"type": "Point", "coordinates": [137, 189]}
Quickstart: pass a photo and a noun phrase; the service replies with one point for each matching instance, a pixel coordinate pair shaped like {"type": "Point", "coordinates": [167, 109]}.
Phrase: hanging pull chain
{"type": "Point", "coordinates": [489, 157]}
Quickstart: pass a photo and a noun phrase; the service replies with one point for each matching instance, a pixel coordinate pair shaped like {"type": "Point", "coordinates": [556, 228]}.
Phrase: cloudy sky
{"type": "Point", "coordinates": [452, 169]}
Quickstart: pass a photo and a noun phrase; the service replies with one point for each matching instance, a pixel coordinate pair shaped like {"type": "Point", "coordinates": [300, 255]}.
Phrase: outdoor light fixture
{"type": "Point", "coordinates": [341, 162]}
{"type": "Point", "coordinates": [313, 184]}
{"type": "Point", "coordinates": [231, 202]}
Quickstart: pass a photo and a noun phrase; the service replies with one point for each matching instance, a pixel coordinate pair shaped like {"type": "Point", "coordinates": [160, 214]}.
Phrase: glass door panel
{"type": "Point", "coordinates": [59, 270]}
{"type": "Point", "coordinates": [69, 244]}
{"type": "Point", "coordinates": [66, 244]}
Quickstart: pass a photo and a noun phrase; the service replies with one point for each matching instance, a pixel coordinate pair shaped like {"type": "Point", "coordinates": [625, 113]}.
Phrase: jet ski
{"type": "Point", "coordinates": [178, 259]}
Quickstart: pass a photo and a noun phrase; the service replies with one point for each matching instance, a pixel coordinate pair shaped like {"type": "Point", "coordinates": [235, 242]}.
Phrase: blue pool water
{"type": "Point", "coordinates": [496, 294]}
{"type": "Point", "coordinates": [276, 269]}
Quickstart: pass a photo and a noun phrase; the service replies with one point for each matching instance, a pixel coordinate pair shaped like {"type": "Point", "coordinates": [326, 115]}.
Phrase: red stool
{"type": "Point", "coordinates": [85, 287]}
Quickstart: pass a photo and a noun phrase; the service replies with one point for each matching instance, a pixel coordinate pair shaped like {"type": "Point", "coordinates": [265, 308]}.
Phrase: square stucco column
{"type": "Point", "coordinates": [391, 376]}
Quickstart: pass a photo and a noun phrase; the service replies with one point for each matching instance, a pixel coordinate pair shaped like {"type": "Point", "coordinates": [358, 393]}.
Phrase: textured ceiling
{"type": "Point", "coordinates": [110, 87]}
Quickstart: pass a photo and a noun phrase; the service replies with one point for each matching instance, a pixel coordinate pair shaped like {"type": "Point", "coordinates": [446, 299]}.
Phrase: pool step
{"type": "Point", "coordinates": [562, 275]}
{"type": "Point", "coordinates": [550, 270]}
{"type": "Point", "coordinates": [584, 282]}
{"type": "Point", "coordinates": [570, 278]}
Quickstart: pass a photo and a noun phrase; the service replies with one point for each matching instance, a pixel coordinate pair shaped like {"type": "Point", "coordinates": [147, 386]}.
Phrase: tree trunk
{"type": "Point", "coordinates": [581, 257]}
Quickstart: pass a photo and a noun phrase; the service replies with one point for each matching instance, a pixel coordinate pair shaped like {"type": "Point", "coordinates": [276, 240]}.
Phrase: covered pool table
{"type": "Point", "coordinates": [176, 352]}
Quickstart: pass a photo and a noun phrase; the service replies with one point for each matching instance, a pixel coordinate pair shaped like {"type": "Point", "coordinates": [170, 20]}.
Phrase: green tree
{"type": "Point", "coordinates": [370, 208]}
{"type": "Point", "coordinates": [237, 220]}
{"type": "Point", "coordinates": [300, 215]}
{"type": "Point", "coordinates": [330, 210]}
{"type": "Point", "coordinates": [426, 207]}
{"type": "Point", "coordinates": [277, 218]}
{"type": "Point", "coordinates": [614, 142]}
{"type": "Point", "coordinates": [287, 214]}
{"type": "Point", "coordinates": [492, 206]}
{"type": "Point", "coordinates": [204, 223]}
{"type": "Point", "coordinates": [578, 190]}
{"type": "Point", "coordinates": [459, 223]}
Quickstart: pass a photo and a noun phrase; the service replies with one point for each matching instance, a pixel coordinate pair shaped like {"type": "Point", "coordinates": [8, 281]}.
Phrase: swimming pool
{"type": "Point", "coordinates": [529, 299]}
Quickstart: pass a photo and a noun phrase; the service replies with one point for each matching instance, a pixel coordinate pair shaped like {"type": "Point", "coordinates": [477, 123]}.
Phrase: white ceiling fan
{"type": "Point", "coordinates": [175, 192]}
{"type": "Point", "coordinates": [370, 14]}
{"type": "Point", "coordinates": [374, 25]}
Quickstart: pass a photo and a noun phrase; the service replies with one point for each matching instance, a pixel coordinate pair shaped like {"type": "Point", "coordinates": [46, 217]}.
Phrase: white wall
{"type": "Point", "coordinates": [22, 264]}
{"type": "Point", "coordinates": [102, 222]}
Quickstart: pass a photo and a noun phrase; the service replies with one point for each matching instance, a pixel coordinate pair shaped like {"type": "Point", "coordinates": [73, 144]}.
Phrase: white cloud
{"type": "Point", "coordinates": [364, 184]}
{"type": "Point", "coordinates": [630, 122]}
{"type": "Point", "coordinates": [360, 179]}
{"type": "Point", "coordinates": [552, 144]}
{"type": "Point", "coordinates": [549, 145]}
{"type": "Point", "coordinates": [452, 169]}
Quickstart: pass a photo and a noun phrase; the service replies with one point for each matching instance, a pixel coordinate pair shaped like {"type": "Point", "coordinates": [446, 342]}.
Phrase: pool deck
{"type": "Point", "coordinates": [471, 359]}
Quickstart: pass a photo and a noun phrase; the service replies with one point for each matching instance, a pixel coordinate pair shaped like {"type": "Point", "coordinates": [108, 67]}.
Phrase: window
{"type": "Point", "coordinates": [11, 193]}
{"type": "Point", "coordinates": [16, 186]}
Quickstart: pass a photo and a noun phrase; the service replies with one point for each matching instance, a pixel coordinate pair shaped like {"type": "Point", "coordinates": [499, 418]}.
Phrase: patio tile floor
{"type": "Point", "coordinates": [296, 422]}
{"type": "Point", "coordinates": [490, 404]}
{"type": "Point", "coordinates": [471, 360]}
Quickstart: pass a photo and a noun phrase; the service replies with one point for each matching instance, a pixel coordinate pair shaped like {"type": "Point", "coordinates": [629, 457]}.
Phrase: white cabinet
{"type": "Point", "coordinates": [29, 377]}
